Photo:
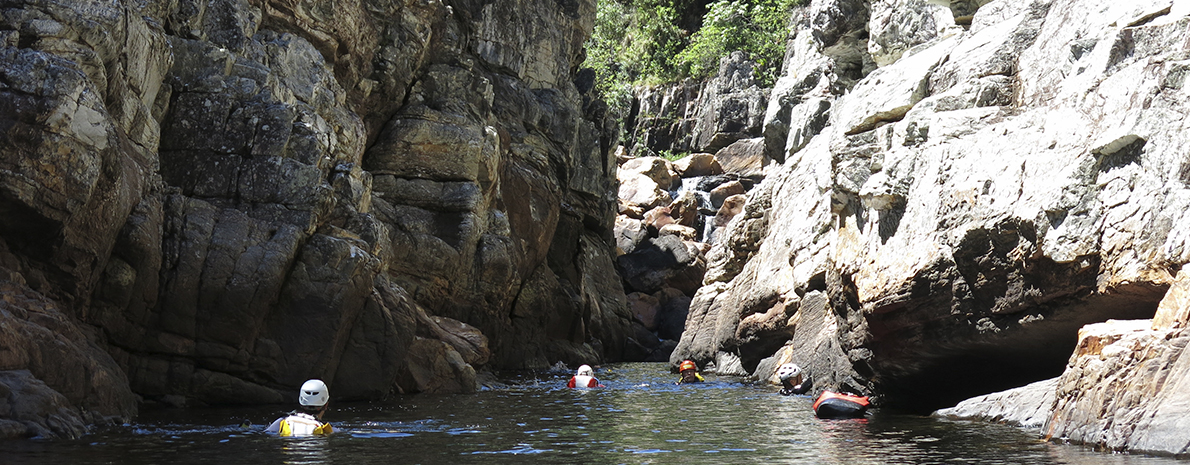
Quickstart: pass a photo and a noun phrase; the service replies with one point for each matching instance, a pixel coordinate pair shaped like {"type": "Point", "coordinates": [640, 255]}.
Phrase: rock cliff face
{"type": "Point", "coordinates": [1124, 388]}
{"type": "Point", "coordinates": [961, 189]}
{"type": "Point", "coordinates": [698, 117]}
{"type": "Point", "coordinates": [212, 201]}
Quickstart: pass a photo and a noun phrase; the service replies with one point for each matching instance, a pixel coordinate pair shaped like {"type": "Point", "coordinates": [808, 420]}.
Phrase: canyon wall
{"type": "Point", "coordinates": [1124, 387]}
{"type": "Point", "coordinates": [208, 202]}
{"type": "Point", "coordinates": [961, 187]}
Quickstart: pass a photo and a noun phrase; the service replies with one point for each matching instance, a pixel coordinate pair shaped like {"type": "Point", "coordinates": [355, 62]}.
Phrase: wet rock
{"type": "Point", "coordinates": [731, 207]}
{"type": "Point", "coordinates": [29, 408]}
{"type": "Point", "coordinates": [709, 183]}
{"type": "Point", "coordinates": [685, 233]}
{"type": "Point", "coordinates": [1027, 406]}
{"type": "Point", "coordinates": [465, 339]}
{"type": "Point", "coordinates": [642, 344]}
{"type": "Point", "coordinates": [629, 233]}
{"type": "Point", "coordinates": [686, 210]}
{"type": "Point", "coordinates": [629, 210]}
{"type": "Point", "coordinates": [433, 366]}
{"type": "Point", "coordinates": [662, 352]}
{"type": "Point", "coordinates": [675, 305]}
{"type": "Point", "coordinates": [65, 381]}
{"type": "Point", "coordinates": [664, 261]}
{"type": "Point", "coordinates": [658, 218]}
{"type": "Point", "coordinates": [199, 195]}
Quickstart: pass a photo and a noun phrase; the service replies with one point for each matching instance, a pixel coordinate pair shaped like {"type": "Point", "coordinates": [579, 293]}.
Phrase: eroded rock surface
{"type": "Point", "coordinates": [699, 117]}
{"type": "Point", "coordinates": [230, 197]}
{"type": "Point", "coordinates": [959, 211]}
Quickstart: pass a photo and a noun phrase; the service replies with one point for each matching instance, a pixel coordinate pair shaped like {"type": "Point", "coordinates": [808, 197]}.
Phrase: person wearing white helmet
{"type": "Point", "coordinates": [584, 378]}
{"type": "Point", "coordinates": [313, 399]}
{"type": "Point", "coordinates": [793, 381]}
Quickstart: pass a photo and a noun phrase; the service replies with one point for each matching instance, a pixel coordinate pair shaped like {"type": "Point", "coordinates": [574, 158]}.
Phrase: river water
{"type": "Point", "coordinates": [640, 417]}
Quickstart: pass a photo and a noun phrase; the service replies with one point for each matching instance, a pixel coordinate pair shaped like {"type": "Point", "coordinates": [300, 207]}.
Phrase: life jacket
{"type": "Point", "coordinates": [583, 381]}
{"type": "Point", "coordinates": [697, 379]}
{"type": "Point", "coordinates": [299, 424]}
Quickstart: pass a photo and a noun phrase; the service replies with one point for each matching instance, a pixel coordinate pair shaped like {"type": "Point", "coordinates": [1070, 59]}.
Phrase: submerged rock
{"type": "Point", "coordinates": [1028, 406]}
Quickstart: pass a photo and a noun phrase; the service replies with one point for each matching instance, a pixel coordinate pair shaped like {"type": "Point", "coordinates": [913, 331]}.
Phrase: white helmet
{"type": "Point", "coordinates": [788, 370]}
{"type": "Point", "coordinates": [585, 370]}
{"type": "Point", "coordinates": [313, 393]}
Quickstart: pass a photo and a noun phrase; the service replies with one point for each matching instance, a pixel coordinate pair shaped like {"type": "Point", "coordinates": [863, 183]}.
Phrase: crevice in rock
{"type": "Point", "coordinates": [1118, 153]}
{"type": "Point", "coordinates": [27, 231]}
{"type": "Point", "coordinates": [1001, 315]}
{"type": "Point", "coordinates": [963, 10]}
{"type": "Point", "coordinates": [1009, 351]}
{"type": "Point", "coordinates": [889, 221]}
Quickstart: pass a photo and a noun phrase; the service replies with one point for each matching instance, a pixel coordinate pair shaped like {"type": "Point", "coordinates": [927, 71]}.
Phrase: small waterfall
{"type": "Point", "coordinates": [700, 187]}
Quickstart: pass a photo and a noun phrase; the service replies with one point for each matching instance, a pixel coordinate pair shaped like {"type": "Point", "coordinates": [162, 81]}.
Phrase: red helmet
{"type": "Point", "coordinates": [687, 365]}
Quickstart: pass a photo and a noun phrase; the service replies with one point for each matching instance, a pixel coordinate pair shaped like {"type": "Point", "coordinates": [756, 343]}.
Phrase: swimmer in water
{"type": "Point", "coordinates": [793, 380]}
{"type": "Point", "coordinates": [689, 373]}
{"type": "Point", "coordinates": [584, 378]}
{"type": "Point", "coordinates": [307, 421]}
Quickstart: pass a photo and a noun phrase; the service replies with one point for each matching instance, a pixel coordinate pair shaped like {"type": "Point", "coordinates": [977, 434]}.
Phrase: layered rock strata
{"type": "Point", "coordinates": [698, 117]}
{"type": "Point", "coordinates": [208, 202]}
{"type": "Point", "coordinates": [951, 210]}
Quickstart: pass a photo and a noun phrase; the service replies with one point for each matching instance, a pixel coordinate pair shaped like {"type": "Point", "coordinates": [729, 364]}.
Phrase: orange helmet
{"type": "Point", "coordinates": [687, 365]}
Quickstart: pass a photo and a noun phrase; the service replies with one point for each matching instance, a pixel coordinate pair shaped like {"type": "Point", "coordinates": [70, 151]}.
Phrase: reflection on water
{"type": "Point", "coordinates": [641, 417]}
{"type": "Point", "coordinates": [304, 451]}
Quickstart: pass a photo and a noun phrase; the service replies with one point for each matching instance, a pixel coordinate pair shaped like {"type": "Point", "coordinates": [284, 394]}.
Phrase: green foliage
{"type": "Point", "coordinates": [645, 42]}
{"type": "Point", "coordinates": [673, 156]}
{"type": "Point", "coordinates": [756, 27]}
{"type": "Point", "coordinates": [614, 72]}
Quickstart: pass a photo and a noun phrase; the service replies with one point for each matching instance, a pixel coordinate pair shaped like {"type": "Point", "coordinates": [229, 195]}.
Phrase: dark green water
{"type": "Point", "coordinates": [641, 417]}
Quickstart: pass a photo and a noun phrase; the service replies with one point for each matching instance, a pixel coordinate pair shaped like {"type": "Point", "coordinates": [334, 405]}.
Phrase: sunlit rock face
{"type": "Point", "coordinates": [698, 116]}
{"type": "Point", "coordinates": [943, 224]}
{"type": "Point", "coordinates": [1127, 386]}
{"type": "Point", "coordinates": [213, 201]}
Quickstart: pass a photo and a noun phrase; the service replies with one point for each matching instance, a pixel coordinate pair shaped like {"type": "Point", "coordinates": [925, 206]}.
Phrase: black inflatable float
{"type": "Point", "coordinates": [834, 405]}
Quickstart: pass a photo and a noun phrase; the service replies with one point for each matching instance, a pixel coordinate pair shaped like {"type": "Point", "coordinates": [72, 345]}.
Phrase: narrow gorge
{"type": "Point", "coordinates": [206, 202]}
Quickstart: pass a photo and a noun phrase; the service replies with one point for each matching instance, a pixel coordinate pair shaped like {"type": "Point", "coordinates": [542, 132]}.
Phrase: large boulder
{"type": "Point", "coordinates": [698, 164]}
{"type": "Point", "coordinates": [643, 192]}
{"type": "Point", "coordinates": [659, 170]}
{"type": "Point", "coordinates": [743, 158]}
{"type": "Point", "coordinates": [664, 261]}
